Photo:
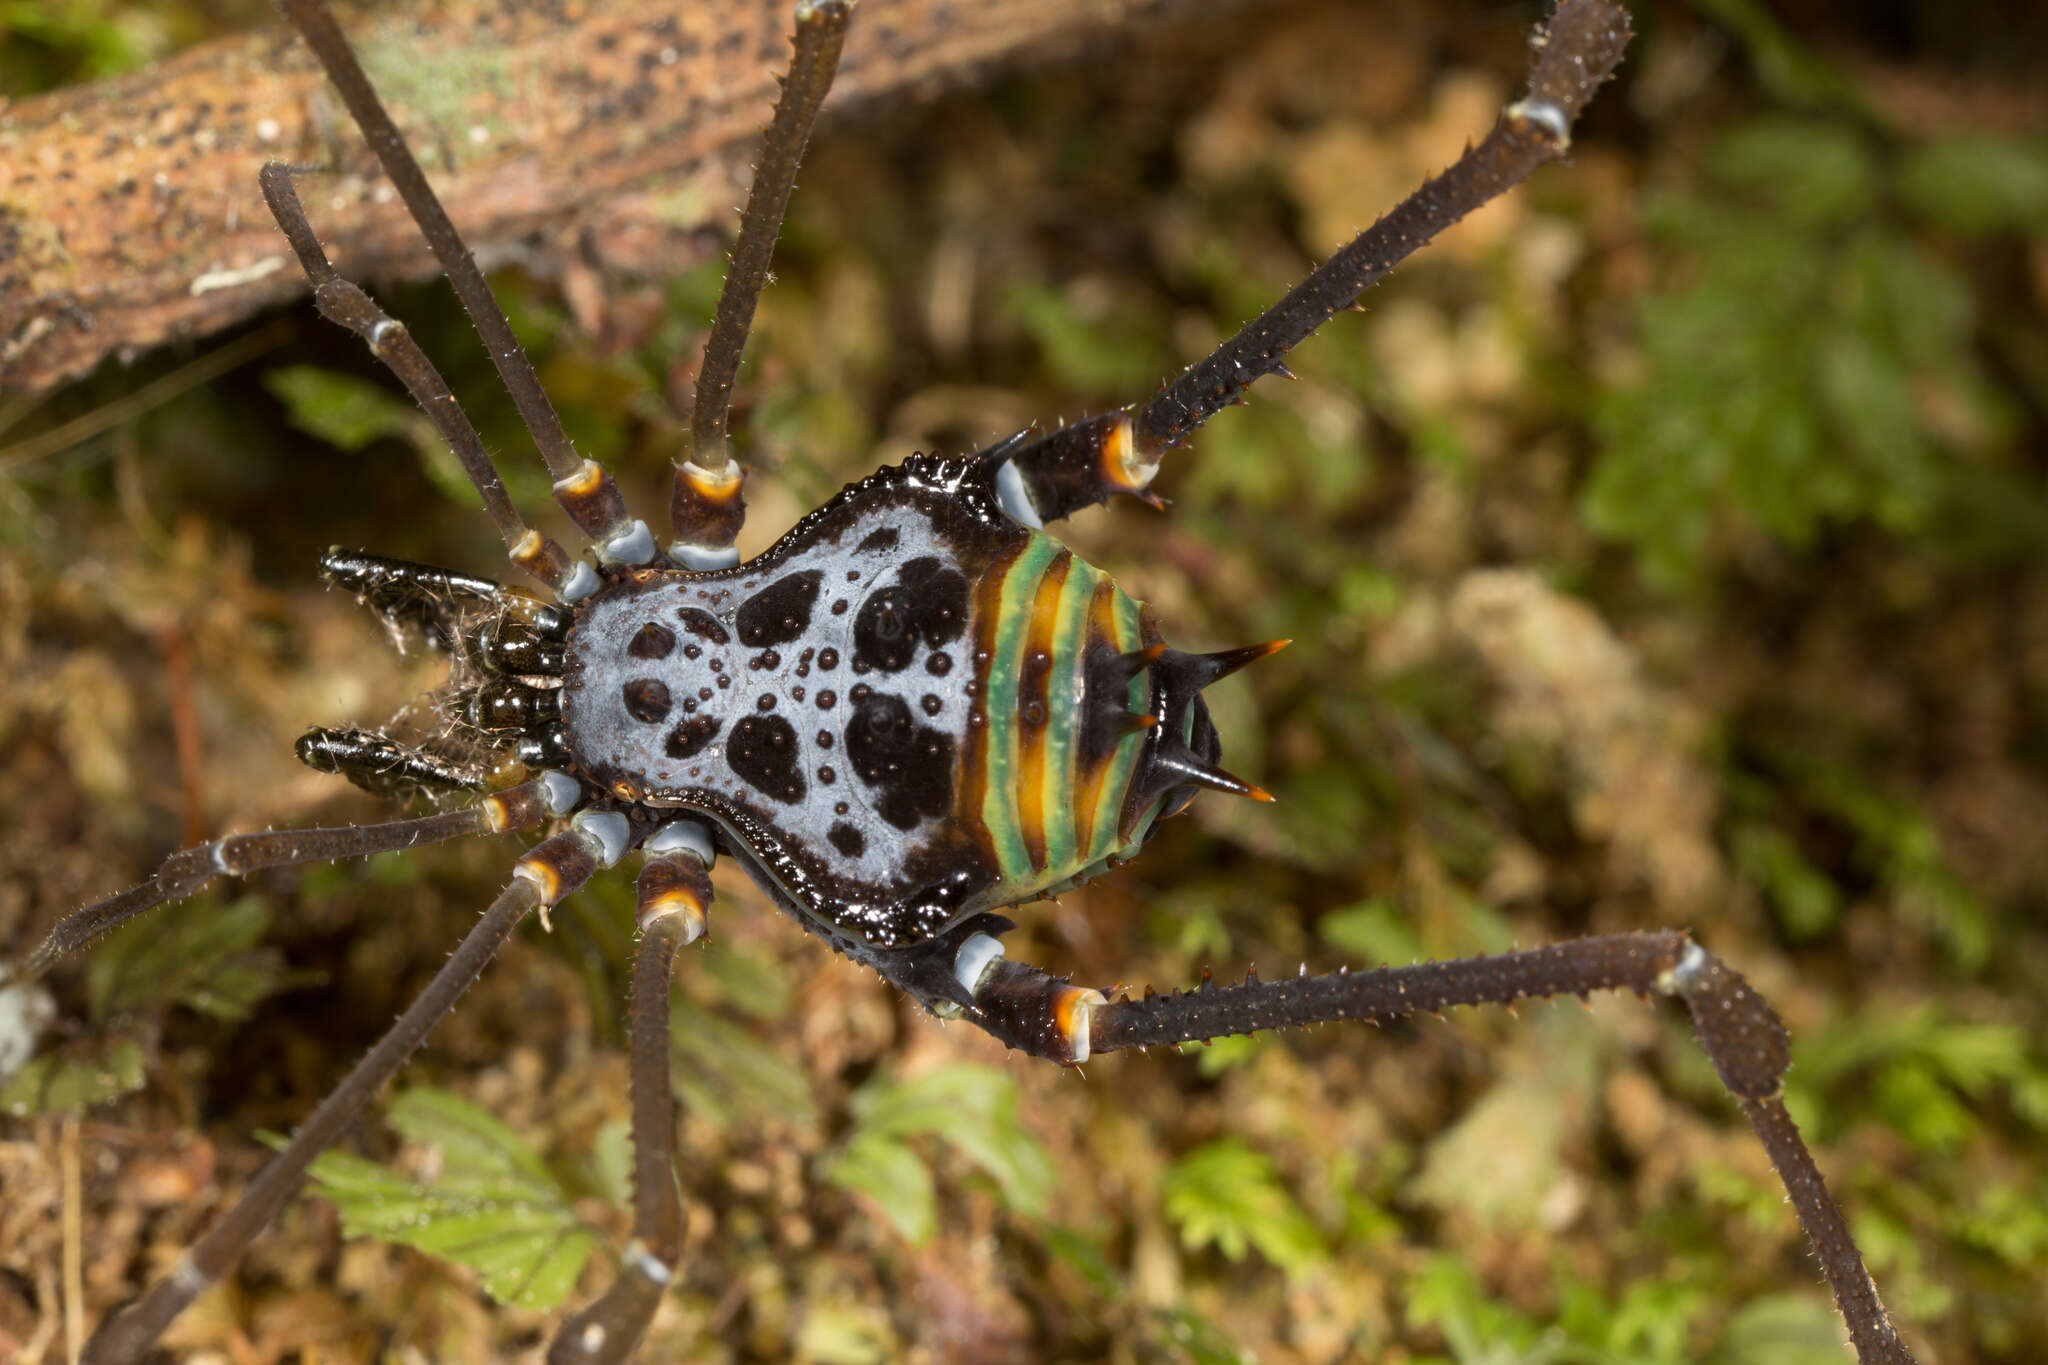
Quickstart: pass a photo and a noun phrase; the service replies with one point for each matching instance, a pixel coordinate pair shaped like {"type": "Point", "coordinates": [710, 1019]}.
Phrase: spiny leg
{"type": "Point", "coordinates": [237, 855]}
{"type": "Point", "coordinates": [555, 867]}
{"type": "Point", "coordinates": [341, 301]}
{"type": "Point", "coordinates": [1081, 465]}
{"type": "Point", "coordinates": [674, 892]}
{"type": "Point", "coordinates": [582, 487]}
{"type": "Point", "coordinates": [706, 508]}
{"type": "Point", "coordinates": [1027, 1008]}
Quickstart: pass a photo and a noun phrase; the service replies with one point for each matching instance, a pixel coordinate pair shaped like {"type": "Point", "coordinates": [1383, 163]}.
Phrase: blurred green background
{"type": "Point", "coordinates": [1666, 546]}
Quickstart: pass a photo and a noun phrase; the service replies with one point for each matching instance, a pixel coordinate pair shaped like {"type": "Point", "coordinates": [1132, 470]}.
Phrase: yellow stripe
{"type": "Point", "coordinates": [1034, 710]}
{"type": "Point", "coordinates": [1064, 689]}
{"type": "Point", "coordinates": [999, 732]}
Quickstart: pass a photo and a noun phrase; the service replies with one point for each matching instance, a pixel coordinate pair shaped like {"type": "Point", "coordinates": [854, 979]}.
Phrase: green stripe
{"type": "Point", "coordinates": [1063, 716]}
{"type": "Point", "coordinates": [1013, 622]}
{"type": "Point", "coordinates": [1110, 808]}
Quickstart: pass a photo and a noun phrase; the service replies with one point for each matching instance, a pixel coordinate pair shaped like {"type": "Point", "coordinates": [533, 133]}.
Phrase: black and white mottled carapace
{"type": "Point", "coordinates": [910, 709]}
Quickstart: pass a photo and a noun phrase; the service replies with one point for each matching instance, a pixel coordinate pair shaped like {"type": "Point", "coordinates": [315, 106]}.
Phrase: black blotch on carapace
{"type": "Point", "coordinates": [780, 612]}
{"type": "Point", "coordinates": [687, 739]}
{"type": "Point", "coordinates": [700, 622]}
{"type": "Point", "coordinates": [651, 641]}
{"type": "Point", "coordinates": [646, 700]}
{"type": "Point", "coordinates": [847, 839]}
{"type": "Point", "coordinates": [927, 602]}
{"type": "Point", "coordinates": [878, 541]}
{"type": "Point", "coordinates": [909, 766]}
{"type": "Point", "coordinates": [763, 751]}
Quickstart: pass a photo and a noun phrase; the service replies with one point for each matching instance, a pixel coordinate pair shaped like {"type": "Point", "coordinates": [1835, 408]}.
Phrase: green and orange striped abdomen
{"type": "Point", "coordinates": [1048, 766]}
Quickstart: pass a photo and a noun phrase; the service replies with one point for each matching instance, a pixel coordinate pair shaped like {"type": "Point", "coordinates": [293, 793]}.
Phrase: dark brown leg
{"type": "Point", "coordinates": [185, 871]}
{"type": "Point", "coordinates": [1741, 1035]}
{"type": "Point", "coordinates": [1119, 452]}
{"type": "Point", "coordinates": [583, 488]}
{"type": "Point", "coordinates": [674, 892]}
{"type": "Point", "coordinates": [554, 867]}
{"type": "Point", "coordinates": [341, 301]}
{"type": "Point", "coordinates": [706, 508]}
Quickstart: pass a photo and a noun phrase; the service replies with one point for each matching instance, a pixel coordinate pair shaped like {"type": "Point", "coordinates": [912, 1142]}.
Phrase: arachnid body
{"type": "Point", "coordinates": [661, 688]}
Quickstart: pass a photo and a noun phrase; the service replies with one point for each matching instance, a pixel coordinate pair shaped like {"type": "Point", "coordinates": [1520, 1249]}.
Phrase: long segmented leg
{"type": "Point", "coordinates": [1033, 1011]}
{"type": "Point", "coordinates": [189, 869]}
{"type": "Point", "coordinates": [583, 488]}
{"type": "Point", "coordinates": [555, 867]}
{"type": "Point", "coordinates": [674, 892]}
{"type": "Point", "coordinates": [343, 302]}
{"type": "Point", "coordinates": [1091, 461]}
{"type": "Point", "coordinates": [706, 507]}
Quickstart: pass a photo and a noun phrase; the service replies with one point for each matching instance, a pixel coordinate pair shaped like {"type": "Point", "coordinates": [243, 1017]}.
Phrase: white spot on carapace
{"type": "Point", "coordinates": [267, 130]}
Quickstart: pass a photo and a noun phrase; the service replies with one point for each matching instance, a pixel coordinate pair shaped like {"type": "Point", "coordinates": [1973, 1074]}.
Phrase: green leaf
{"type": "Point", "coordinates": [492, 1205]}
{"type": "Point", "coordinates": [1447, 1295]}
{"type": "Point", "coordinates": [1187, 1335]}
{"type": "Point", "coordinates": [1789, 70]}
{"type": "Point", "coordinates": [1085, 1259]}
{"type": "Point", "coordinates": [611, 1162]}
{"type": "Point", "coordinates": [753, 983]}
{"type": "Point", "coordinates": [351, 413]}
{"type": "Point", "coordinates": [2009, 1222]}
{"type": "Point", "coordinates": [1110, 351]}
{"type": "Point", "coordinates": [1978, 183]}
{"type": "Point", "coordinates": [346, 411]}
{"type": "Point", "coordinates": [1807, 902]}
{"type": "Point", "coordinates": [1374, 932]}
{"type": "Point", "coordinates": [1229, 1195]}
{"type": "Point", "coordinates": [73, 1082]}
{"type": "Point", "coordinates": [1815, 173]}
{"type": "Point", "coordinates": [724, 1074]}
{"type": "Point", "coordinates": [1918, 1106]}
{"type": "Point", "coordinates": [971, 1108]}
{"type": "Point", "coordinates": [890, 1176]}
{"type": "Point", "coordinates": [201, 954]}
{"type": "Point", "coordinates": [1784, 1329]}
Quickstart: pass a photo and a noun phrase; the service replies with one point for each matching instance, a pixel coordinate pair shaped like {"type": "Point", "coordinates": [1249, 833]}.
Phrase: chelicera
{"type": "Point", "coordinates": [913, 713]}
